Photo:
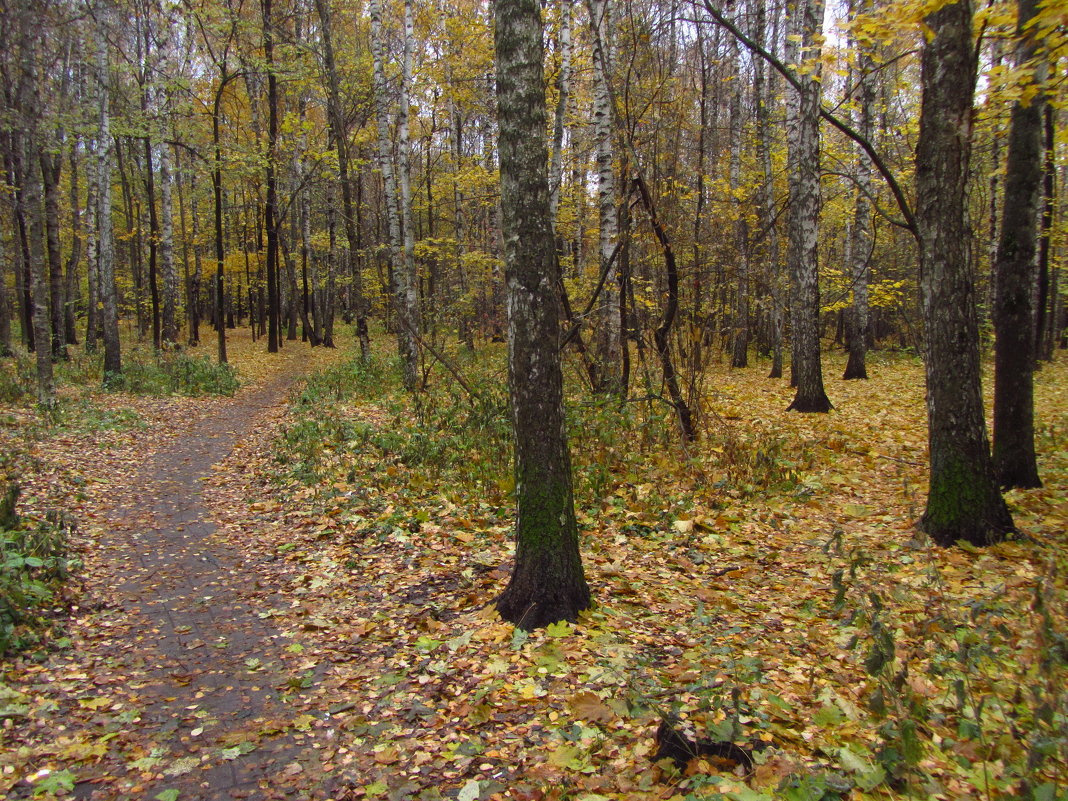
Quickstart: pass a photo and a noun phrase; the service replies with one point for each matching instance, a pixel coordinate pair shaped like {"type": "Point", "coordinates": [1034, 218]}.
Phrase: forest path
{"type": "Point", "coordinates": [179, 685]}
{"type": "Point", "coordinates": [199, 656]}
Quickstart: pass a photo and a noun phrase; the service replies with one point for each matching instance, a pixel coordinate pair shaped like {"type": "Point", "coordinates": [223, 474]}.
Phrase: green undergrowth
{"type": "Point", "coordinates": [144, 372]}
{"type": "Point", "coordinates": [35, 566]}
{"type": "Point", "coordinates": [958, 674]}
{"type": "Point", "coordinates": [446, 435]}
{"type": "Point", "coordinates": [174, 373]}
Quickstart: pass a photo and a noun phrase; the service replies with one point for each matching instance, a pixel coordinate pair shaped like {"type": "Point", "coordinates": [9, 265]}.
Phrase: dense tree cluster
{"type": "Point", "coordinates": [723, 179]}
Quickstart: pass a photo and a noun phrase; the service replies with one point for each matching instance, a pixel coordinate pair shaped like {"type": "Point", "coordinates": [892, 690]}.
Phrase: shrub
{"type": "Point", "coordinates": [175, 374]}
{"type": "Point", "coordinates": [34, 566]}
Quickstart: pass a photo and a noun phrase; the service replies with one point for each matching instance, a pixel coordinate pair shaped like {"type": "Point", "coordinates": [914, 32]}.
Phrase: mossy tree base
{"type": "Point", "coordinates": [543, 591]}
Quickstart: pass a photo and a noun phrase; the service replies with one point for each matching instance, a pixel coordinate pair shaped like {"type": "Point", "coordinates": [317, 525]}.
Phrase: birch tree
{"type": "Point", "coordinates": [802, 131]}
{"type": "Point", "coordinates": [963, 500]}
{"type": "Point", "coordinates": [547, 582]}
{"type": "Point", "coordinates": [105, 236]}
{"type": "Point", "coordinates": [609, 323]}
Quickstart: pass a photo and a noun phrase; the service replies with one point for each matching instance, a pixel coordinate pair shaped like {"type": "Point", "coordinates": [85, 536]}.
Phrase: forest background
{"type": "Point", "coordinates": [175, 171]}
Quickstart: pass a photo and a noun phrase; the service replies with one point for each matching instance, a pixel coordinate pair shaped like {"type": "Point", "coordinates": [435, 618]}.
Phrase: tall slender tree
{"type": "Point", "coordinates": [271, 222]}
{"type": "Point", "coordinates": [547, 582]}
{"type": "Point", "coordinates": [339, 130]}
{"type": "Point", "coordinates": [860, 233]}
{"type": "Point", "coordinates": [803, 117]}
{"type": "Point", "coordinates": [105, 236]}
{"type": "Point", "coordinates": [1014, 271]}
{"type": "Point", "coordinates": [609, 343]}
{"type": "Point", "coordinates": [963, 501]}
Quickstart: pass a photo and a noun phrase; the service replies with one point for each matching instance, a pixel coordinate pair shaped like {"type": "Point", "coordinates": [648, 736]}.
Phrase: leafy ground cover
{"type": "Point", "coordinates": [765, 587]}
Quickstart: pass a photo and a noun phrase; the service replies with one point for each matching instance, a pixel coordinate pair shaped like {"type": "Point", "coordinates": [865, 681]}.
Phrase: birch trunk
{"type": "Point", "coordinates": [803, 138]}
{"type": "Point", "coordinates": [547, 582]}
{"type": "Point", "coordinates": [405, 342]}
{"type": "Point", "coordinates": [408, 283]}
{"type": "Point", "coordinates": [608, 339]}
{"type": "Point", "coordinates": [740, 338]}
{"type": "Point", "coordinates": [963, 501]}
{"type": "Point", "coordinates": [168, 268]}
{"type": "Point", "coordinates": [105, 231]}
{"type": "Point", "coordinates": [563, 90]}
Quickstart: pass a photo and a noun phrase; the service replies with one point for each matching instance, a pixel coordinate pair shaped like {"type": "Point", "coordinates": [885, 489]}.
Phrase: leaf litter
{"type": "Point", "coordinates": [790, 608]}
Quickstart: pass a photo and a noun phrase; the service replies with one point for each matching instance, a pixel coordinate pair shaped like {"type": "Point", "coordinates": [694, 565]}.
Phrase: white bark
{"type": "Point", "coordinates": [804, 154]}
{"type": "Point", "coordinates": [563, 88]}
{"type": "Point", "coordinates": [405, 340]}
{"type": "Point", "coordinates": [601, 19]}
{"type": "Point", "coordinates": [105, 230]}
{"type": "Point", "coordinates": [168, 269]}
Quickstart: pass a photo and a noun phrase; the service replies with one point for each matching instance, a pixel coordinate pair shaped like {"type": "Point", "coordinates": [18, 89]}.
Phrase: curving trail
{"type": "Point", "coordinates": [198, 662]}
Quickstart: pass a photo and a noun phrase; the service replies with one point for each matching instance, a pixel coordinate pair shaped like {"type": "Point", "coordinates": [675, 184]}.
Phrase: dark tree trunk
{"type": "Point", "coordinates": [216, 185]}
{"type": "Point", "coordinates": [51, 169]}
{"type": "Point", "coordinates": [71, 289]}
{"type": "Point", "coordinates": [1046, 321]}
{"type": "Point", "coordinates": [547, 582]}
{"type": "Point", "coordinates": [662, 334]}
{"type": "Point", "coordinates": [1014, 347]}
{"type": "Point", "coordinates": [963, 502]}
{"type": "Point", "coordinates": [340, 135]}
{"type": "Point", "coordinates": [862, 234]}
{"type": "Point", "coordinates": [271, 207]}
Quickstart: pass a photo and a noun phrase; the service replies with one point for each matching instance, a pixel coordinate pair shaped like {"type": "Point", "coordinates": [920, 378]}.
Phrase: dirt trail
{"type": "Point", "coordinates": [199, 662]}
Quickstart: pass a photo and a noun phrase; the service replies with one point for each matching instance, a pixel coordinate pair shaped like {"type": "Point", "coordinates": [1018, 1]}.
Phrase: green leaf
{"type": "Point", "coordinates": [870, 779]}
{"type": "Point", "coordinates": [828, 715]}
{"type": "Point", "coordinates": [427, 644]}
{"type": "Point", "coordinates": [170, 794]}
{"type": "Point", "coordinates": [238, 750]}
{"type": "Point", "coordinates": [470, 791]}
{"type": "Point", "coordinates": [375, 789]}
{"type": "Point", "coordinates": [560, 629]}
{"type": "Point", "coordinates": [519, 638]}
{"type": "Point", "coordinates": [55, 782]}
{"type": "Point", "coordinates": [911, 747]}
{"type": "Point", "coordinates": [850, 761]}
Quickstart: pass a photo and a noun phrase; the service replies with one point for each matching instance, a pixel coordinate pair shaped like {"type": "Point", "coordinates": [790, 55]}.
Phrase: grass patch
{"type": "Point", "coordinates": [175, 373]}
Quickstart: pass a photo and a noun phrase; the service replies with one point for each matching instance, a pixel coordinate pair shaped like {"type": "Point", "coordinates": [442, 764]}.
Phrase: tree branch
{"type": "Point", "coordinates": [895, 188]}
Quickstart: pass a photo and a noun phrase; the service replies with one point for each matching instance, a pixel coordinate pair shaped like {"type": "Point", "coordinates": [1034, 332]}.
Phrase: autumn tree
{"type": "Point", "coordinates": [963, 502]}
{"type": "Point", "coordinates": [547, 582]}
{"type": "Point", "coordinates": [803, 118]}
{"type": "Point", "coordinates": [860, 234]}
{"type": "Point", "coordinates": [105, 236]}
{"type": "Point", "coordinates": [1014, 276]}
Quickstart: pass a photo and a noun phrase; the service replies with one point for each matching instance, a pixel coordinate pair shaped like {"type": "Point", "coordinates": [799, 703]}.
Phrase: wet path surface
{"type": "Point", "coordinates": [201, 664]}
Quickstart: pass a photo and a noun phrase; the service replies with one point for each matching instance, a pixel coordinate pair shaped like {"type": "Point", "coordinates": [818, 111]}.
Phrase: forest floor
{"type": "Point", "coordinates": [294, 600]}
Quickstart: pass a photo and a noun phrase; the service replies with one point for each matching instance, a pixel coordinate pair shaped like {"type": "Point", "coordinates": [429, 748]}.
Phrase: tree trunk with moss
{"type": "Point", "coordinates": [963, 502]}
{"type": "Point", "coordinates": [547, 583]}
